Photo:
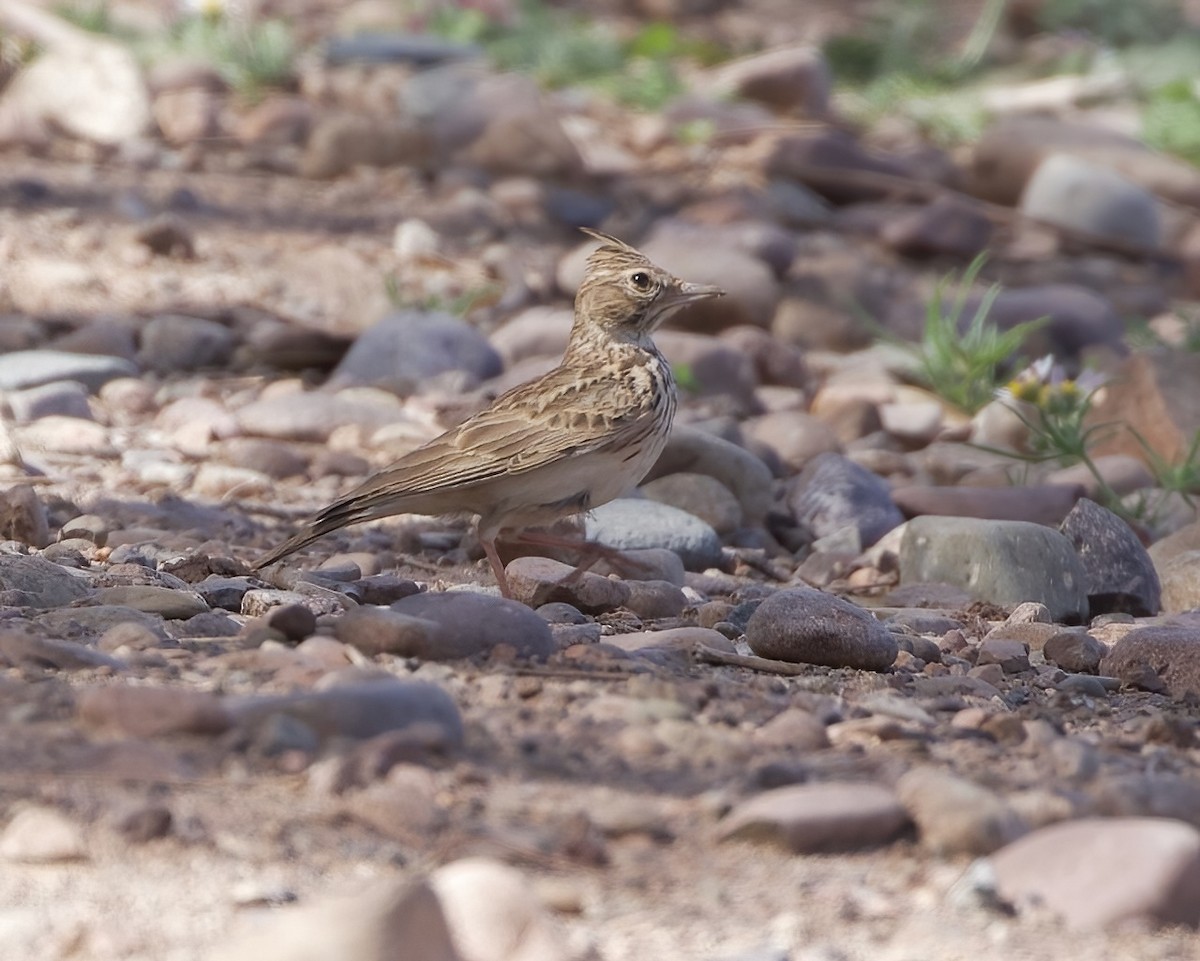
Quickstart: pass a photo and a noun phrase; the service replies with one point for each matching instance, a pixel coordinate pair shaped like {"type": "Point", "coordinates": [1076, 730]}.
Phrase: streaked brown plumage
{"type": "Point", "coordinates": [579, 436]}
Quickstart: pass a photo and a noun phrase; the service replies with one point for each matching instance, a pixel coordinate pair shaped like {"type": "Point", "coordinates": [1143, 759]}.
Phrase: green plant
{"type": "Point", "coordinates": [459, 304]}
{"type": "Point", "coordinates": [561, 49]}
{"type": "Point", "coordinates": [1115, 22]}
{"type": "Point", "coordinates": [252, 55]}
{"type": "Point", "coordinates": [962, 362]}
{"type": "Point", "coordinates": [1171, 119]}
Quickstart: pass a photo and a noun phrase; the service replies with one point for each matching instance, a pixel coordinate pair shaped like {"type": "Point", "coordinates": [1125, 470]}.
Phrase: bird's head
{"type": "Point", "coordinates": [626, 295]}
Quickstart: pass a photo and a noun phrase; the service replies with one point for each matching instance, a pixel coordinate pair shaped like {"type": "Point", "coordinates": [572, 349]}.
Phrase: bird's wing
{"type": "Point", "coordinates": [561, 415]}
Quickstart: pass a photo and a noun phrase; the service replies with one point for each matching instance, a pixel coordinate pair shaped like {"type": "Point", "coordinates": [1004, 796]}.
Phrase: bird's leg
{"type": "Point", "coordinates": [489, 548]}
{"type": "Point", "coordinates": [590, 553]}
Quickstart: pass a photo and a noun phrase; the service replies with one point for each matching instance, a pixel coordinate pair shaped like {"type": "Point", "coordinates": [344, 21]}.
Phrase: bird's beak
{"type": "Point", "coordinates": [685, 293]}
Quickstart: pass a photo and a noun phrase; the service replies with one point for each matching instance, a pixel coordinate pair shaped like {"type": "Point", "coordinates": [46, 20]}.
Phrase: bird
{"type": "Point", "coordinates": [577, 437]}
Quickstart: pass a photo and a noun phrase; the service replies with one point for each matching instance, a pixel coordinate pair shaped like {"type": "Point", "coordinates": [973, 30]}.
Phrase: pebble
{"type": "Point", "coordinates": [173, 604]}
{"type": "Point", "coordinates": [146, 711]}
{"type": "Point", "coordinates": [379, 630]}
{"type": "Point", "coordinates": [58, 399]}
{"type": "Point", "coordinates": [177, 342]}
{"type": "Point", "coordinates": [470, 623]}
{"type": "Point", "coordinates": [833, 492]}
{"type": "Point", "coordinates": [956, 816]}
{"type": "Point", "coordinates": [795, 729]}
{"type": "Point", "coordinates": [628, 523]}
{"type": "Point", "coordinates": [31, 368]}
{"type": "Point", "coordinates": [35, 582]}
{"type": "Point", "coordinates": [25, 649]}
{"type": "Point", "coordinates": [1157, 658]}
{"type": "Point", "coordinates": [41, 835]}
{"type": "Point", "coordinates": [696, 451]}
{"type": "Point", "coordinates": [377, 923]}
{"type": "Point", "coordinates": [794, 438]}
{"type": "Point", "coordinates": [652, 600]}
{"type": "Point", "coordinates": [1001, 562]}
{"type": "Point", "coordinates": [23, 516]}
{"type": "Point", "coordinates": [294, 621]}
{"type": "Point", "coordinates": [699, 495]}
{"type": "Point", "coordinates": [404, 350]}
{"type": "Point", "coordinates": [810, 818]}
{"type": "Point", "coordinates": [494, 913]}
{"type": "Point", "coordinates": [313, 416]}
{"type": "Point", "coordinates": [1120, 575]}
{"type": "Point", "coordinates": [803, 625]}
{"type": "Point", "coordinates": [1101, 873]}
{"type": "Point", "coordinates": [535, 581]}
{"type": "Point", "coordinates": [360, 709]}
{"type": "Point", "coordinates": [1011, 655]}
{"type": "Point", "coordinates": [1075, 650]}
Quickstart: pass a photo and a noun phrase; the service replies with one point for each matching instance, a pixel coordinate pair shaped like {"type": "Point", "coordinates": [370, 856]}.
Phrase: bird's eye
{"type": "Point", "coordinates": [641, 280]}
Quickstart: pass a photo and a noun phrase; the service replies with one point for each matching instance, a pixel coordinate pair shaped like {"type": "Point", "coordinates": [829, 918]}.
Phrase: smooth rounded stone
{"type": "Point", "coordinates": [1123, 473]}
{"type": "Point", "coordinates": [794, 77]}
{"type": "Point", "coordinates": [471, 623]}
{"type": "Point", "coordinates": [795, 438]}
{"type": "Point", "coordinates": [360, 709]}
{"type": "Point", "coordinates": [129, 636]}
{"type": "Point", "coordinates": [23, 648]}
{"type": "Point", "coordinates": [144, 822]}
{"type": "Point", "coordinates": [405, 349]}
{"type": "Point", "coordinates": [1120, 575]}
{"type": "Point", "coordinates": [794, 729]}
{"type": "Point", "coordinates": [30, 581]}
{"type": "Point", "coordinates": [700, 495]}
{"type": "Point", "coordinates": [777, 365]}
{"type": "Point", "coordinates": [1071, 192]}
{"type": "Point", "coordinates": [163, 601]}
{"type": "Point", "coordinates": [176, 342]}
{"type": "Point", "coordinates": [947, 226]}
{"type": "Point", "coordinates": [539, 580]}
{"type": "Point", "coordinates": [64, 398]}
{"type": "Point", "coordinates": [223, 592]}
{"type": "Point", "coordinates": [385, 920]}
{"type": "Point", "coordinates": [276, 459]}
{"type": "Point", "coordinates": [32, 368]}
{"type": "Point", "coordinates": [1180, 580]}
{"type": "Point", "coordinates": [314, 416]}
{"type": "Point", "coordinates": [1001, 562]}
{"type": "Point", "coordinates": [712, 368]}
{"type": "Point", "coordinates": [379, 630]}
{"type": "Point", "coordinates": [646, 564]}
{"type": "Point", "coordinates": [540, 331]}
{"type": "Point", "coordinates": [809, 818]}
{"type": "Point", "coordinates": [23, 516]}
{"type": "Point", "coordinates": [681, 639]}
{"type": "Point", "coordinates": [65, 435]}
{"type": "Point", "coordinates": [494, 913]}
{"type": "Point", "coordinates": [807, 626]}
{"type": "Point", "coordinates": [833, 492]}
{"type": "Point", "coordinates": [294, 621]}
{"type": "Point", "coordinates": [1097, 873]}
{"type": "Point", "coordinates": [915, 424]}
{"type": "Point", "coordinates": [708, 255]}
{"type": "Point", "coordinates": [1011, 655]}
{"type": "Point", "coordinates": [41, 835]}
{"type": "Point", "coordinates": [1035, 503]}
{"type": "Point", "coordinates": [340, 141]}
{"type": "Point", "coordinates": [629, 523]}
{"type": "Point", "coordinates": [797, 155]}
{"type": "Point", "coordinates": [526, 141]}
{"type": "Point", "coordinates": [694, 451]}
{"type": "Point", "coordinates": [957, 816]}
{"type": "Point", "coordinates": [655, 599]}
{"type": "Point", "coordinates": [1182, 541]}
{"type": "Point", "coordinates": [1157, 658]}
{"type": "Point", "coordinates": [384, 588]}
{"type": "Point", "coordinates": [94, 621]}
{"type": "Point", "coordinates": [1075, 651]}
{"type": "Point", "coordinates": [144, 711]}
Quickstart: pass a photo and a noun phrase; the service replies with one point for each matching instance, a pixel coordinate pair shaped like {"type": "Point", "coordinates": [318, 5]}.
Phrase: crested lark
{"type": "Point", "coordinates": [579, 436]}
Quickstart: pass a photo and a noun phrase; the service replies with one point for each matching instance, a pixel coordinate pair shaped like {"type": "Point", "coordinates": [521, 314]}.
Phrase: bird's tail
{"type": "Point", "coordinates": [350, 510]}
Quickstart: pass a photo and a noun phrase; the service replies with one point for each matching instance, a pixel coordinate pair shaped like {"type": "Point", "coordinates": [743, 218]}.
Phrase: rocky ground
{"type": "Point", "coordinates": [862, 688]}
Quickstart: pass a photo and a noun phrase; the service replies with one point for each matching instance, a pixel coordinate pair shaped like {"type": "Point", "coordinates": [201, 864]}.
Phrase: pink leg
{"type": "Point", "coordinates": [489, 548]}
{"type": "Point", "coordinates": [589, 552]}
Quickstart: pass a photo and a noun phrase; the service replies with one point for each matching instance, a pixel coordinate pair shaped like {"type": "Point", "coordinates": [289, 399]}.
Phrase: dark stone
{"type": "Point", "coordinates": [1119, 573]}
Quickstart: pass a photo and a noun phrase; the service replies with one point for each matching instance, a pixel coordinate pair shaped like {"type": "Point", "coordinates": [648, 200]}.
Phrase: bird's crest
{"type": "Point", "coordinates": [611, 248]}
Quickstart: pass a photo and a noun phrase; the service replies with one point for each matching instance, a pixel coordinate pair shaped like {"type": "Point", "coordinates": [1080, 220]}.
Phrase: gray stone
{"type": "Point", "coordinates": [700, 452]}
{"type": "Point", "coordinates": [312, 416]}
{"type": "Point", "coordinates": [62, 398]}
{"type": "Point", "coordinates": [41, 835]}
{"type": "Point", "coordinates": [1099, 873]}
{"type": "Point", "coordinates": [405, 349]}
{"type": "Point", "coordinates": [787, 78]}
{"type": "Point", "coordinates": [359, 709]}
{"type": "Point", "coordinates": [29, 581]}
{"type": "Point", "coordinates": [628, 523]}
{"type": "Point", "coordinates": [1075, 650]}
{"type": "Point", "coordinates": [22, 648]}
{"type": "Point", "coordinates": [471, 623]}
{"type": "Point", "coordinates": [956, 816]}
{"type": "Point", "coordinates": [177, 342]}
{"type": "Point", "coordinates": [31, 368]}
{"type": "Point", "coordinates": [1119, 574]}
{"type": "Point", "coordinates": [699, 495]}
{"type": "Point", "coordinates": [1157, 658]}
{"type": "Point", "coordinates": [382, 922]}
{"type": "Point", "coordinates": [23, 517]}
{"type": "Point", "coordinates": [833, 492]}
{"type": "Point", "coordinates": [379, 630]}
{"type": "Point", "coordinates": [539, 580]}
{"type": "Point", "coordinates": [1180, 579]}
{"type": "Point", "coordinates": [163, 601]}
{"type": "Point", "coordinates": [1070, 192]}
{"type": "Point", "coordinates": [144, 711]}
{"type": "Point", "coordinates": [808, 626]}
{"type": "Point", "coordinates": [807, 818]}
{"type": "Point", "coordinates": [1001, 562]}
